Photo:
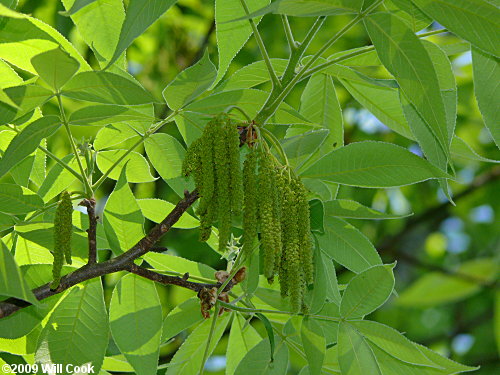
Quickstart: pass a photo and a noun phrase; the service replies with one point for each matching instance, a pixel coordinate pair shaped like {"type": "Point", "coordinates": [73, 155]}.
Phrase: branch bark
{"type": "Point", "coordinates": [122, 262]}
{"type": "Point", "coordinates": [92, 231]}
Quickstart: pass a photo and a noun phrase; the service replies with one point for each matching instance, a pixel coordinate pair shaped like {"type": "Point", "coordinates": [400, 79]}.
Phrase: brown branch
{"type": "Point", "coordinates": [173, 280]}
{"type": "Point", "coordinates": [92, 231]}
{"type": "Point", "coordinates": [120, 263]}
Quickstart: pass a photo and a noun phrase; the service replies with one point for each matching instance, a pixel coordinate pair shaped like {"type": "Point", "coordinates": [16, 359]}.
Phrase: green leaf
{"type": "Point", "coordinates": [258, 360]}
{"type": "Point", "coordinates": [58, 179]}
{"type": "Point", "coordinates": [460, 149]}
{"type": "Point", "coordinates": [15, 199]}
{"type": "Point", "coordinates": [391, 366]}
{"type": "Point", "coordinates": [405, 57]}
{"type": "Point", "coordinates": [187, 360]}
{"type": "Point", "coordinates": [320, 105]}
{"type": "Point", "coordinates": [486, 75]}
{"type": "Point", "coordinates": [448, 88]}
{"type": "Point", "coordinates": [8, 76]}
{"type": "Point", "coordinates": [392, 342]}
{"type": "Point", "coordinates": [139, 16]}
{"type": "Point", "coordinates": [27, 97]}
{"type": "Point", "coordinates": [106, 114]}
{"type": "Point", "coordinates": [311, 8]}
{"type": "Point", "coordinates": [157, 209]}
{"type": "Point", "coordinates": [192, 121]}
{"type": "Point", "coordinates": [231, 37]}
{"type": "Point", "coordinates": [373, 164]}
{"type": "Point", "coordinates": [12, 284]}
{"type": "Point", "coordinates": [251, 75]}
{"type": "Point", "coordinates": [181, 317]}
{"type": "Point", "coordinates": [367, 291]}
{"type": "Point", "coordinates": [166, 154]}
{"type": "Point", "coordinates": [55, 67]}
{"type": "Point", "coordinates": [382, 102]}
{"type": "Point", "coordinates": [107, 88]}
{"type": "Point", "coordinates": [27, 319]}
{"type": "Point", "coordinates": [354, 354]}
{"type": "Point", "coordinates": [437, 288]}
{"type": "Point", "coordinates": [77, 332]}
{"type": "Point", "coordinates": [300, 148]}
{"type": "Point", "coordinates": [135, 319]}
{"type": "Point", "coordinates": [314, 343]}
{"type": "Point", "coordinates": [167, 262]}
{"type": "Point", "coordinates": [96, 27]}
{"type": "Point", "coordinates": [472, 20]}
{"type": "Point", "coordinates": [354, 210]}
{"type": "Point", "coordinates": [76, 6]}
{"type": "Point", "coordinates": [497, 320]}
{"type": "Point", "coordinates": [113, 135]}
{"type": "Point", "coordinates": [21, 32]}
{"type": "Point", "coordinates": [409, 13]}
{"type": "Point", "coordinates": [123, 221]}
{"type": "Point", "coordinates": [190, 83]}
{"type": "Point", "coordinates": [347, 245]}
{"type": "Point", "coordinates": [7, 221]}
{"type": "Point", "coordinates": [27, 141]}
{"type": "Point", "coordinates": [137, 167]}
{"type": "Point", "coordinates": [315, 298]}
{"type": "Point", "coordinates": [242, 338]}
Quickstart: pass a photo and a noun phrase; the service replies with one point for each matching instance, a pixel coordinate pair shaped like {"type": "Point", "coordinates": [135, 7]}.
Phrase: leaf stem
{"type": "Point", "coordinates": [55, 158]}
{"type": "Point", "coordinates": [325, 65]}
{"type": "Point", "coordinates": [274, 78]}
{"type": "Point", "coordinates": [88, 188]}
{"type": "Point", "coordinates": [270, 108]}
{"type": "Point", "coordinates": [275, 142]}
{"type": "Point", "coordinates": [289, 34]}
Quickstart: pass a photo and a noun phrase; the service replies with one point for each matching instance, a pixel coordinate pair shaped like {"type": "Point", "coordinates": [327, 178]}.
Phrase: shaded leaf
{"type": "Point", "coordinates": [139, 16]}
{"type": "Point", "coordinates": [27, 141]}
{"type": "Point", "coordinates": [486, 76]}
{"type": "Point", "coordinates": [166, 154]}
{"type": "Point", "coordinates": [157, 210]}
{"type": "Point", "coordinates": [347, 245]}
{"type": "Point", "coordinates": [12, 284]}
{"type": "Point", "coordinates": [373, 164]}
{"type": "Point", "coordinates": [472, 20]}
{"type": "Point", "coordinates": [123, 221]}
{"type": "Point", "coordinates": [367, 291]}
{"type": "Point", "coordinates": [135, 319]}
{"type": "Point", "coordinates": [77, 331]}
{"type": "Point", "coordinates": [354, 210]}
{"type": "Point", "coordinates": [242, 338]}
{"type": "Point", "coordinates": [314, 343]}
{"type": "Point", "coordinates": [181, 317]}
{"type": "Point", "coordinates": [136, 165]}
{"type": "Point", "coordinates": [15, 199]}
{"type": "Point", "coordinates": [55, 67]}
{"type": "Point", "coordinates": [190, 83]}
{"type": "Point", "coordinates": [354, 354]}
{"type": "Point", "coordinates": [107, 88]}
{"type": "Point", "coordinates": [258, 360]}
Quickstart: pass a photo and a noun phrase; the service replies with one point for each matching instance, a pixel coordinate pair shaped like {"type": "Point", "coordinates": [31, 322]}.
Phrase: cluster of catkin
{"type": "Point", "coordinates": [276, 205]}
{"type": "Point", "coordinates": [273, 201]}
{"type": "Point", "coordinates": [63, 228]}
{"type": "Point", "coordinates": [214, 161]}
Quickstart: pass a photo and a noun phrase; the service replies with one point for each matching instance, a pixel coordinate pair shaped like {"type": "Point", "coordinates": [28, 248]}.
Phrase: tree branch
{"type": "Point", "coordinates": [92, 231]}
{"type": "Point", "coordinates": [120, 263]}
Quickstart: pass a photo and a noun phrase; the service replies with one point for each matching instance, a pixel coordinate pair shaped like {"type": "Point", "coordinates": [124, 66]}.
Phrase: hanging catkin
{"type": "Point", "coordinates": [250, 204]}
{"type": "Point", "coordinates": [63, 228]}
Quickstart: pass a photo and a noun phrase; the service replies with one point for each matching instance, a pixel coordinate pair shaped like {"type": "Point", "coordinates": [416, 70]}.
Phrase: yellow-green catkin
{"type": "Point", "coordinates": [292, 269]}
{"type": "Point", "coordinates": [223, 183]}
{"type": "Point", "coordinates": [236, 185]}
{"type": "Point", "coordinates": [305, 239]}
{"type": "Point", "coordinates": [266, 217]}
{"type": "Point", "coordinates": [208, 202]}
{"type": "Point", "coordinates": [250, 201]}
{"type": "Point", "coordinates": [63, 229]}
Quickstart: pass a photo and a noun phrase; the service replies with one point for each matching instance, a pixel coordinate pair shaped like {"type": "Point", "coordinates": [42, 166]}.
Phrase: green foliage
{"type": "Point", "coordinates": [304, 144]}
